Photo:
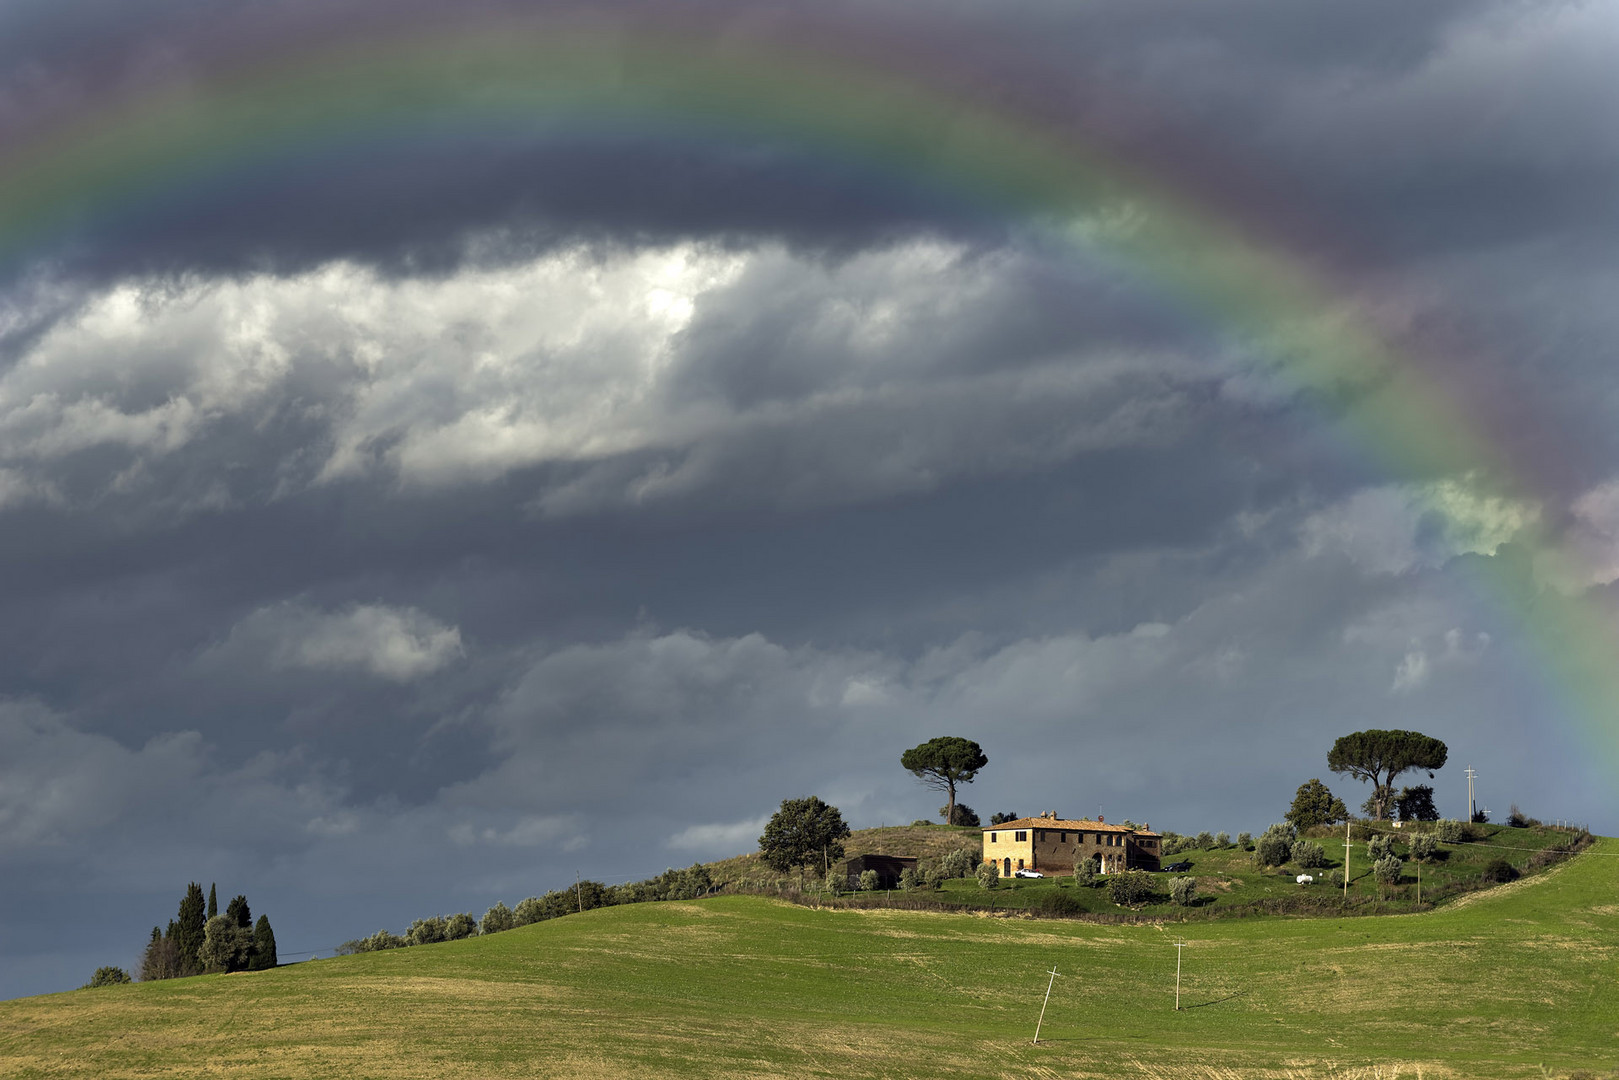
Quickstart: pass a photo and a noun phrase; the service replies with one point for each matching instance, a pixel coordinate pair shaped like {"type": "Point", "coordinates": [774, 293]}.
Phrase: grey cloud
{"type": "Point", "coordinates": [401, 644]}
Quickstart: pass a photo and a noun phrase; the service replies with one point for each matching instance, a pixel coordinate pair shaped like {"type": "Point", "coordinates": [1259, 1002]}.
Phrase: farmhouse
{"type": "Point", "coordinates": [1052, 844]}
{"type": "Point", "coordinates": [888, 867]}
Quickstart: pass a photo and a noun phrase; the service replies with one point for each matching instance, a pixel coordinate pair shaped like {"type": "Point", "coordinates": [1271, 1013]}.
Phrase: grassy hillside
{"type": "Point", "coordinates": [1520, 981]}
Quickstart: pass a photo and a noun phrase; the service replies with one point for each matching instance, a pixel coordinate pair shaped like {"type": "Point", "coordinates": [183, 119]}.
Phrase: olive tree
{"type": "Point", "coordinates": [225, 946]}
{"type": "Point", "coordinates": [1129, 887]}
{"type": "Point", "coordinates": [1308, 855]}
{"type": "Point", "coordinates": [988, 874]}
{"type": "Point", "coordinates": [1275, 845]}
{"type": "Point", "coordinates": [1387, 872]}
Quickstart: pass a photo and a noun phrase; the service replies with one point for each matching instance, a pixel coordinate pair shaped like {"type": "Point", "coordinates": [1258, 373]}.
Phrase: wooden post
{"type": "Point", "coordinates": [1346, 858]}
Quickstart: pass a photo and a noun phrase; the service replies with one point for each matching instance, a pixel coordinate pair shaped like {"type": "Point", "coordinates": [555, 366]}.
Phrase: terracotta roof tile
{"type": "Point", "coordinates": [1070, 824]}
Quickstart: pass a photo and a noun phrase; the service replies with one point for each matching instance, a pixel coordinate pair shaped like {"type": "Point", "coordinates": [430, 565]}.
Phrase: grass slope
{"type": "Point", "coordinates": [1521, 981]}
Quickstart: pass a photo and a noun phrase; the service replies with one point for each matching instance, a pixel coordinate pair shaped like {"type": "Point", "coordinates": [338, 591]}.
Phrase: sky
{"type": "Point", "coordinates": [414, 499]}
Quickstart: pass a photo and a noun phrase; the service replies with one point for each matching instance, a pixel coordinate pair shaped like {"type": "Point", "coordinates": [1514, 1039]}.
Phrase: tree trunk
{"type": "Point", "coordinates": [950, 811]}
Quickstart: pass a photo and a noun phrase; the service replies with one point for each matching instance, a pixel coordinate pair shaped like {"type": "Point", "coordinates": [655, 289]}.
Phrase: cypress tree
{"type": "Point", "coordinates": [188, 932]}
{"type": "Point", "coordinates": [213, 901]}
{"type": "Point", "coordinates": [237, 912]}
{"type": "Point", "coordinates": [263, 946]}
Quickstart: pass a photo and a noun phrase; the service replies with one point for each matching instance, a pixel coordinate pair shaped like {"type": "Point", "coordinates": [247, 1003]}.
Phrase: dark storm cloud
{"type": "Point", "coordinates": [385, 535]}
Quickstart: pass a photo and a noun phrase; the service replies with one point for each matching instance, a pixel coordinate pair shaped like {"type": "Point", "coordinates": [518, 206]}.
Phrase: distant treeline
{"type": "Point", "coordinates": [201, 940]}
{"type": "Point", "coordinates": [687, 884]}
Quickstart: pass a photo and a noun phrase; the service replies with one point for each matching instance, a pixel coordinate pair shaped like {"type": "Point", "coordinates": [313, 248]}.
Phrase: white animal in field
{"type": "Point", "coordinates": [1305, 879]}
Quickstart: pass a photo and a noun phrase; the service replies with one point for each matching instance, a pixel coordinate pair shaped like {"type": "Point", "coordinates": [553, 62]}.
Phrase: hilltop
{"type": "Point", "coordinates": [1227, 881]}
{"type": "Point", "coordinates": [1521, 981]}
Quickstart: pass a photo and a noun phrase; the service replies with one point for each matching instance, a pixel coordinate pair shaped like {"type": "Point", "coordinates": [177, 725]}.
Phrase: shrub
{"type": "Point", "coordinates": [1085, 872]}
{"type": "Point", "coordinates": [1450, 831]}
{"type": "Point", "coordinates": [1423, 847]}
{"type": "Point", "coordinates": [988, 874]}
{"type": "Point", "coordinates": [1060, 903]}
{"type": "Point", "coordinates": [921, 821]}
{"type": "Point", "coordinates": [1379, 847]}
{"type": "Point", "coordinates": [1002, 819]}
{"type": "Point", "coordinates": [107, 976]}
{"type": "Point", "coordinates": [1174, 843]}
{"type": "Point", "coordinates": [1335, 878]}
{"type": "Point", "coordinates": [1387, 870]}
{"type": "Point", "coordinates": [1205, 840]}
{"type": "Point", "coordinates": [1245, 840]}
{"type": "Point", "coordinates": [909, 879]}
{"type": "Point", "coordinates": [868, 881]}
{"type": "Point", "coordinates": [1308, 854]}
{"type": "Point", "coordinates": [1129, 887]}
{"type": "Point", "coordinates": [1516, 818]}
{"type": "Point", "coordinates": [460, 925]}
{"type": "Point", "coordinates": [959, 863]}
{"type": "Point", "coordinates": [1222, 839]}
{"type": "Point", "coordinates": [962, 815]}
{"type": "Point", "coordinates": [934, 876]}
{"type": "Point", "coordinates": [1497, 871]}
{"type": "Point", "coordinates": [1183, 890]}
{"type": "Point", "coordinates": [836, 881]}
{"type": "Point", "coordinates": [1481, 817]}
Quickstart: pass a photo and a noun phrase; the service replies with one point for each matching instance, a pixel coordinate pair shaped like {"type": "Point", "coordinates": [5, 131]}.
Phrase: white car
{"type": "Point", "coordinates": [1020, 872]}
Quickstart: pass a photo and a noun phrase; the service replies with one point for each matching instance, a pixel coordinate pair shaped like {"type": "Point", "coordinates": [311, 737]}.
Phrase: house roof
{"type": "Point", "coordinates": [1071, 824]}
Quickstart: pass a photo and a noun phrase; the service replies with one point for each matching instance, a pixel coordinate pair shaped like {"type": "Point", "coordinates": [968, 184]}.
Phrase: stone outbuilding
{"type": "Point", "coordinates": [888, 867]}
{"type": "Point", "coordinates": [1054, 845]}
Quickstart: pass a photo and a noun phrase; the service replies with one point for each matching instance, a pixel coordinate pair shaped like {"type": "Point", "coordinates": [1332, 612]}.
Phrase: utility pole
{"type": "Point", "coordinates": [1472, 807]}
{"type": "Point", "coordinates": [579, 890]}
{"type": "Point", "coordinates": [1179, 945]}
{"type": "Point", "coordinates": [1346, 859]}
{"type": "Point", "coordinates": [1052, 982]}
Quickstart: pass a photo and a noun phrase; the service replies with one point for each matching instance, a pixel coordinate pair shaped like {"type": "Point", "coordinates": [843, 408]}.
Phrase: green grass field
{"type": "Point", "coordinates": [1519, 981]}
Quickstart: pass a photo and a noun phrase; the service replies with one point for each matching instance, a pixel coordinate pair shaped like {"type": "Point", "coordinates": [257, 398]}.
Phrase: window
{"type": "Point", "coordinates": [992, 838]}
{"type": "Point", "coordinates": [1021, 836]}
{"type": "Point", "coordinates": [1062, 838]}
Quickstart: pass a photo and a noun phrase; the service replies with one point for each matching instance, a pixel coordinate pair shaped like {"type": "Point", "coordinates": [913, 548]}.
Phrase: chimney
{"type": "Point", "coordinates": [1101, 819]}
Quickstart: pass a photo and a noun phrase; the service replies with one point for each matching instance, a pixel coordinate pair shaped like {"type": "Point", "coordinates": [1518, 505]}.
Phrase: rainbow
{"type": "Point", "coordinates": [525, 77]}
